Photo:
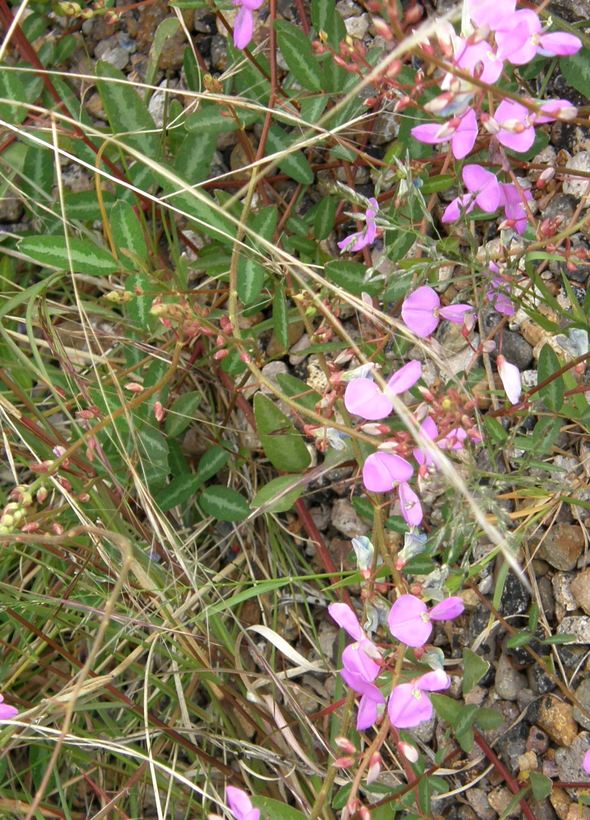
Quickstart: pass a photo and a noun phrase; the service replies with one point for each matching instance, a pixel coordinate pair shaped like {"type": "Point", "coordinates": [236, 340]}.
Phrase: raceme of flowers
{"type": "Point", "coordinates": [410, 622]}
{"type": "Point", "coordinates": [498, 34]}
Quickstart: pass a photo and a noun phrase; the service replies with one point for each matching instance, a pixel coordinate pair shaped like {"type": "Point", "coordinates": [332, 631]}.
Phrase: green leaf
{"type": "Point", "coordinates": [298, 390]}
{"type": "Point", "coordinates": [154, 447]}
{"type": "Point", "coordinates": [541, 785]}
{"type": "Point", "coordinates": [280, 317]}
{"type": "Point", "coordinates": [520, 639]}
{"type": "Point", "coordinates": [474, 668]}
{"type": "Point", "coordinates": [350, 276]}
{"type": "Point", "coordinates": [251, 273]}
{"type": "Point", "coordinates": [167, 28]}
{"type": "Point", "coordinates": [564, 637]}
{"type": "Point", "coordinates": [224, 503]}
{"type": "Point", "coordinates": [12, 88]}
{"type": "Point", "coordinates": [488, 719]}
{"type": "Point", "coordinates": [447, 708]}
{"type": "Point", "coordinates": [276, 809]}
{"type": "Point", "coordinates": [296, 49]}
{"type": "Point", "coordinates": [127, 113]}
{"type": "Point", "coordinates": [182, 413]}
{"type": "Point", "coordinates": [83, 205]}
{"type": "Point", "coordinates": [52, 251]}
{"type": "Point", "coordinates": [294, 164]}
{"type": "Point", "coordinates": [553, 392]}
{"type": "Point", "coordinates": [494, 430]}
{"type": "Point", "coordinates": [438, 183]}
{"type": "Point", "coordinates": [576, 70]}
{"type": "Point", "coordinates": [178, 492]}
{"type": "Point", "coordinates": [288, 489]}
{"type": "Point", "coordinates": [138, 307]}
{"type": "Point", "coordinates": [211, 462]}
{"type": "Point", "coordinates": [195, 155]}
{"type": "Point", "coordinates": [127, 234]}
{"type": "Point", "coordinates": [326, 19]}
{"type": "Point", "coordinates": [282, 444]}
{"type": "Point", "coordinates": [325, 217]}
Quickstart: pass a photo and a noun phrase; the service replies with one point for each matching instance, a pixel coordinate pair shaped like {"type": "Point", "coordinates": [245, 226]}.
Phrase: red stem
{"type": "Point", "coordinates": [510, 781]}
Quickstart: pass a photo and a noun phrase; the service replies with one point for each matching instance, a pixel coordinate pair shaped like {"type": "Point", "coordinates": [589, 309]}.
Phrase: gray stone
{"type": "Point", "coordinates": [478, 800]}
{"type": "Point", "coordinates": [516, 350]}
{"type": "Point", "coordinates": [578, 626]}
{"type": "Point", "coordinates": [537, 741]}
{"type": "Point", "coordinates": [508, 680]}
{"type": "Point", "coordinates": [218, 53]}
{"type": "Point", "coordinates": [539, 680]}
{"type": "Point", "coordinates": [578, 186]}
{"type": "Point", "coordinates": [568, 759]}
{"type": "Point", "coordinates": [112, 52]}
{"type": "Point", "coordinates": [357, 27]}
{"type": "Point", "coordinates": [344, 518]}
{"type": "Point", "coordinates": [562, 589]}
{"type": "Point", "coordinates": [583, 695]}
{"type": "Point", "coordinates": [515, 597]}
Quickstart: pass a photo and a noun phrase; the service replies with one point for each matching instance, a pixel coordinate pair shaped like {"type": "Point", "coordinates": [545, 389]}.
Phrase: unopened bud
{"type": "Point", "coordinates": [345, 744]}
{"type": "Point", "coordinates": [221, 354]}
{"type": "Point", "coordinates": [339, 762]}
{"type": "Point", "coordinates": [364, 813]}
{"type": "Point", "coordinates": [159, 411]}
{"type": "Point", "coordinates": [57, 528]}
{"type": "Point", "coordinates": [67, 9]}
{"type": "Point", "coordinates": [408, 751]}
{"type": "Point", "coordinates": [374, 768]}
{"type": "Point", "coordinates": [134, 387]}
{"type": "Point", "coordinates": [41, 495]}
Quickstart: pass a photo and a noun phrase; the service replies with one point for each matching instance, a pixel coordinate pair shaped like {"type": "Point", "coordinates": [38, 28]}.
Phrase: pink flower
{"type": "Point", "coordinates": [240, 804]}
{"type": "Point", "coordinates": [491, 14]}
{"type": "Point", "coordinates": [382, 471]}
{"type": "Point", "coordinates": [361, 239]}
{"type": "Point", "coordinates": [510, 377]}
{"type": "Point", "coordinates": [421, 311]}
{"type": "Point", "coordinates": [360, 668]}
{"type": "Point", "coordinates": [423, 457]}
{"type": "Point", "coordinates": [7, 712]}
{"type": "Point", "coordinates": [484, 191]}
{"type": "Point", "coordinates": [497, 298]}
{"type": "Point", "coordinates": [586, 762]}
{"type": "Point", "coordinates": [409, 705]}
{"type": "Point", "coordinates": [514, 123]}
{"type": "Point", "coordinates": [366, 399]}
{"type": "Point", "coordinates": [520, 38]}
{"type": "Point", "coordinates": [461, 131]}
{"type": "Point", "coordinates": [411, 623]}
{"type": "Point", "coordinates": [244, 22]}
{"type": "Point", "coordinates": [513, 202]}
{"type": "Point", "coordinates": [478, 59]}
{"type": "Point", "coordinates": [551, 110]}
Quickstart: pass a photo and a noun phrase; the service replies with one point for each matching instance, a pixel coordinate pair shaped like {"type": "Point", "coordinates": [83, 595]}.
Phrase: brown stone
{"type": "Point", "coordinates": [556, 718]}
{"type": "Point", "coordinates": [580, 588]}
{"type": "Point", "coordinates": [562, 546]}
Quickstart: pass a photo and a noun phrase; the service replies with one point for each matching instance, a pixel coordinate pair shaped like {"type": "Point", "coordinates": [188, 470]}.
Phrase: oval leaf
{"type": "Point", "coordinates": [224, 503]}
{"type": "Point", "coordinates": [84, 255]}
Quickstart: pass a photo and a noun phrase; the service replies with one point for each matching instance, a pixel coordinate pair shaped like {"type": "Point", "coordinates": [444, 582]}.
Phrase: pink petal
{"type": "Point", "coordinates": [367, 713]}
{"type": "Point", "coordinates": [433, 681]}
{"type": "Point", "coordinates": [476, 178]}
{"type": "Point", "coordinates": [243, 27]}
{"type": "Point", "coordinates": [559, 44]}
{"type": "Point", "coordinates": [510, 377]}
{"type": "Point", "coordinates": [364, 398]}
{"type": "Point", "coordinates": [7, 712]}
{"type": "Point", "coordinates": [408, 621]}
{"type": "Point", "coordinates": [430, 430]}
{"type": "Point", "coordinates": [405, 378]}
{"type": "Point", "coordinates": [410, 505]}
{"type": "Point", "coordinates": [429, 133]}
{"type": "Point", "coordinates": [240, 804]}
{"type": "Point", "coordinates": [455, 313]}
{"type": "Point", "coordinates": [382, 471]}
{"type": "Point", "coordinates": [349, 243]}
{"type": "Point", "coordinates": [253, 5]}
{"type": "Point", "coordinates": [408, 706]}
{"type": "Point", "coordinates": [347, 620]}
{"type": "Point", "coordinates": [358, 663]}
{"type": "Point", "coordinates": [517, 142]}
{"type": "Point", "coordinates": [418, 311]}
{"type": "Point", "coordinates": [586, 762]}
{"type": "Point", "coordinates": [448, 609]}
{"type": "Point", "coordinates": [491, 13]}
{"type": "Point", "coordinates": [460, 205]}
{"type": "Point", "coordinates": [481, 58]}
{"type": "Point", "coordinates": [517, 44]}
{"type": "Point", "coordinates": [464, 137]}
{"type": "Point", "coordinates": [552, 109]}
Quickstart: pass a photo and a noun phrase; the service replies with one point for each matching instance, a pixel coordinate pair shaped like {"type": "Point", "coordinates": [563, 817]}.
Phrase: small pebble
{"type": "Point", "coordinates": [556, 718]}
{"type": "Point", "coordinates": [580, 590]}
{"type": "Point", "coordinates": [578, 626]}
{"type": "Point", "coordinates": [562, 546]}
{"type": "Point", "coordinates": [345, 519]}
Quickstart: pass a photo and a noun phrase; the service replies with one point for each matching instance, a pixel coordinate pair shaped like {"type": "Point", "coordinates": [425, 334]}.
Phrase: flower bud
{"type": "Point", "coordinates": [374, 768]}
{"type": "Point", "coordinates": [134, 387]}
{"type": "Point", "coordinates": [159, 411]}
{"type": "Point", "coordinates": [346, 745]}
{"type": "Point", "coordinates": [342, 762]}
{"type": "Point", "coordinates": [408, 751]}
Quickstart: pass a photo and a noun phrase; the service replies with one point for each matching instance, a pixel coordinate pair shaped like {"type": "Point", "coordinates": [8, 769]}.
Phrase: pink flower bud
{"type": "Point", "coordinates": [510, 377]}
{"type": "Point", "coordinates": [346, 745]}
{"type": "Point", "coordinates": [374, 768]}
{"type": "Point", "coordinates": [159, 411]}
{"type": "Point", "coordinates": [41, 495]}
{"type": "Point", "coordinates": [408, 751]}
{"type": "Point", "coordinates": [344, 762]}
{"type": "Point", "coordinates": [134, 387]}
